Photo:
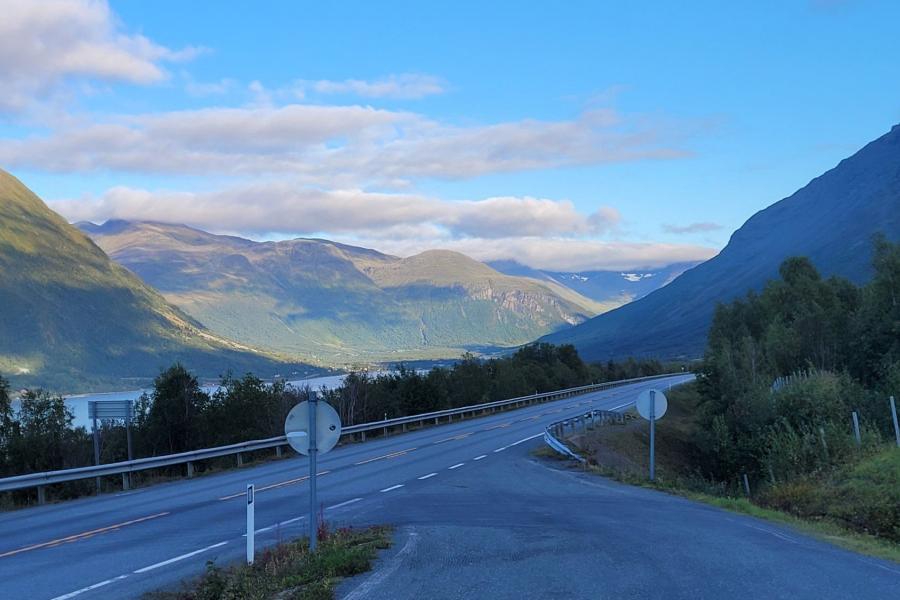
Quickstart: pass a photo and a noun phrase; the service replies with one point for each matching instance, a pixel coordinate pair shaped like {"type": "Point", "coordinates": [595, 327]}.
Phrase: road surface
{"type": "Point", "coordinates": [476, 516]}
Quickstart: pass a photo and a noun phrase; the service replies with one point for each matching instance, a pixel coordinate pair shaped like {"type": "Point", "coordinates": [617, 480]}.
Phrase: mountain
{"type": "Point", "coordinates": [831, 221]}
{"type": "Point", "coordinates": [72, 319]}
{"type": "Point", "coordinates": [613, 288]}
{"type": "Point", "coordinates": [338, 303]}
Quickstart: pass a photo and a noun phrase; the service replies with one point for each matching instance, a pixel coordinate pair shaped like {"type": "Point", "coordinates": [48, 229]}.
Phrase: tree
{"type": "Point", "coordinates": [172, 418]}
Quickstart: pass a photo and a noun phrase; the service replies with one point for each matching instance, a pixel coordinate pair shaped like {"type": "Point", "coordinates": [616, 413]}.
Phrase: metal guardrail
{"type": "Point", "coordinates": [555, 432]}
{"type": "Point", "coordinates": [125, 468]}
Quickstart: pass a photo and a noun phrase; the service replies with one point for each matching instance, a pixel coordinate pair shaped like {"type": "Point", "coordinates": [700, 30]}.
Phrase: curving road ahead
{"type": "Point", "coordinates": [476, 517]}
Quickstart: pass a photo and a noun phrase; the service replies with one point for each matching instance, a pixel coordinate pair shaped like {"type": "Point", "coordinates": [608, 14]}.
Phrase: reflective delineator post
{"type": "Point", "coordinates": [652, 435]}
{"type": "Point", "coordinates": [251, 524]}
{"type": "Point", "coordinates": [856, 428]}
{"type": "Point", "coordinates": [313, 515]}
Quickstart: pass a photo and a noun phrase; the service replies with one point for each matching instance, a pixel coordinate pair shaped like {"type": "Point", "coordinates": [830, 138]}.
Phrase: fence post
{"type": "Point", "coordinates": [856, 429]}
{"type": "Point", "coordinates": [894, 417]}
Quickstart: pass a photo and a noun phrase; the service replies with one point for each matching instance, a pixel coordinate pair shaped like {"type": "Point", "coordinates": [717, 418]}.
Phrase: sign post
{"type": "Point", "coordinates": [251, 524]}
{"type": "Point", "coordinates": [313, 514]}
{"type": "Point", "coordinates": [312, 428]}
{"type": "Point", "coordinates": [652, 405]}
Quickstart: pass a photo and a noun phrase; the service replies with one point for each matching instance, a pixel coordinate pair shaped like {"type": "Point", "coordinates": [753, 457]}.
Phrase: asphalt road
{"type": "Point", "coordinates": [476, 517]}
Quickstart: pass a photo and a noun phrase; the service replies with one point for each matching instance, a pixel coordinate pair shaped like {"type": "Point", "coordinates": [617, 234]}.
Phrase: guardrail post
{"type": "Point", "coordinates": [126, 485]}
{"type": "Point", "coordinates": [436, 420]}
{"type": "Point", "coordinates": [362, 435]}
{"type": "Point", "coordinates": [278, 451]}
{"type": "Point", "coordinates": [42, 495]}
{"type": "Point", "coordinates": [240, 459]}
{"type": "Point", "coordinates": [190, 469]}
{"type": "Point", "coordinates": [404, 428]}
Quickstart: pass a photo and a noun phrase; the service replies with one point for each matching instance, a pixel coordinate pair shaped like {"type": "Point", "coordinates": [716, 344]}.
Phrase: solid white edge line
{"type": "Point", "coordinates": [456, 466]}
{"type": "Point", "coordinates": [89, 588]}
{"type": "Point", "coordinates": [348, 502]}
{"type": "Point", "coordinates": [526, 439]}
{"type": "Point", "coordinates": [429, 476]}
{"type": "Point", "coordinates": [393, 487]}
{"type": "Point", "coordinates": [177, 558]}
{"type": "Point", "coordinates": [480, 457]}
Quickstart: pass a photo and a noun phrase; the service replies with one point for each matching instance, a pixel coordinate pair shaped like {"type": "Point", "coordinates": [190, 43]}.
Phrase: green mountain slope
{"type": "Point", "coordinates": [70, 318]}
{"type": "Point", "coordinates": [831, 220]}
{"type": "Point", "coordinates": [336, 303]}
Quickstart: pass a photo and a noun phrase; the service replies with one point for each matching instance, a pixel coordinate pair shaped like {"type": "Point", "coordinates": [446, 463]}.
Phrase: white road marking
{"type": "Point", "coordinates": [393, 487]}
{"type": "Point", "coordinates": [376, 579]}
{"type": "Point", "coordinates": [428, 476]}
{"type": "Point", "coordinates": [89, 588]}
{"type": "Point", "coordinates": [343, 503]}
{"type": "Point", "coordinates": [775, 533]}
{"type": "Point", "coordinates": [456, 466]}
{"type": "Point", "coordinates": [178, 558]}
{"type": "Point", "coordinates": [525, 440]}
{"type": "Point", "coordinates": [480, 457]}
{"type": "Point", "coordinates": [522, 441]}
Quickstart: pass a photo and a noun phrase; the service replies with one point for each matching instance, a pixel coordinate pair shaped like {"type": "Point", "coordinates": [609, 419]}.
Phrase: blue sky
{"type": "Point", "coordinates": [567, 135]}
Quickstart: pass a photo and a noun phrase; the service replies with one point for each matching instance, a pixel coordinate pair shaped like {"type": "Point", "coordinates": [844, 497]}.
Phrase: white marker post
{"type": "Point", "coordinates": [251, 524]}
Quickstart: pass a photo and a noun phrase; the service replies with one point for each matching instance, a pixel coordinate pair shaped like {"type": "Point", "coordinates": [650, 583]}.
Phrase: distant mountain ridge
{"type": "Point", "coordinates": [831, 220]}
{"type": "Point", "coordinates": [337, 303]}
{"type": "Point", "coordinates": [610, 287]}
{"type": "Point", "coordinates": [70, 318]}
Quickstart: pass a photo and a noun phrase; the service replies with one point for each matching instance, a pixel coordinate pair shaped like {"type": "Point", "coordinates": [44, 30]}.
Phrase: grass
{"type": "Point", "coordinates": [289, 571]}
{"type": "Point", "coordinates": [855, 507]}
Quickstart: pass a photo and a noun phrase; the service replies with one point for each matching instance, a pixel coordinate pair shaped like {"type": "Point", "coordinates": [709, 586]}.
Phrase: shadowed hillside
{"type": "Point", "coordinates": [831, 221]}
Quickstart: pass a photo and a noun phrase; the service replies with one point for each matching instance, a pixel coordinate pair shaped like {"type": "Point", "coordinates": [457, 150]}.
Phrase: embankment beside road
{"type": "Point", "coordinates": [855, 503]}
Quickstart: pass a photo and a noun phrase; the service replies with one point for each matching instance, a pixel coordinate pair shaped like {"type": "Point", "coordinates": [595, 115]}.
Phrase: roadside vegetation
{"type": "Point", "coordinates": [783, 372]}
{"type": "Point", "coordinates": [177, 415]}
{"type": "Point", "coordinates": [289, 571]}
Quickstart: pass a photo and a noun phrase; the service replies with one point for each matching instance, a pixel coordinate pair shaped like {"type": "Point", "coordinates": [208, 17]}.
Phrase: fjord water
{"type": "Point", "coordinates": [78, 404]}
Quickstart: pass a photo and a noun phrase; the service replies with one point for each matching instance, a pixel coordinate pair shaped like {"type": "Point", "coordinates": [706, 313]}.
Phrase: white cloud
{"type": "Point", "coordinates": [335, 145]}
{"type": "Point", "coordinates": [46, 43]}
{"type": "Point", "coordinates": [539, 232]}
{"type": "Point", "coordinates": [405, 86]}
{"type": "Point", "coordinates": [691, 228]}
{"type": "Point", "coordinates": [278, 207]}
{"type": "Point", "coordinates": [553, 253]}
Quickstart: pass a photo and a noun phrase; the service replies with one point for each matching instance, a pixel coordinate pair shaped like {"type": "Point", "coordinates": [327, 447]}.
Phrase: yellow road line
{"type": "Point", "coordinates": [273, 486]}
{"type": "Point", "coordinates": [386, 456]}
{"type": "Point", "coordinates": [455, 437]}
{"type": "Point", "coordinates": [82, 536]}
